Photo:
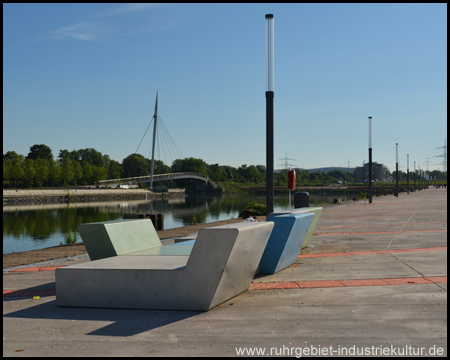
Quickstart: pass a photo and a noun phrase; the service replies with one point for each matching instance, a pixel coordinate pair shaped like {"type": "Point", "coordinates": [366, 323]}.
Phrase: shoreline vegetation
{"type": "Point", "coordinates": [84, 168]}
{"type": "Point", "coordinates": [84, 194]}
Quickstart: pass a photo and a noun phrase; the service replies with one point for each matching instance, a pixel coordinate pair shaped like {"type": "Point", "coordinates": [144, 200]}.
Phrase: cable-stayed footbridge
{"type": "Point", "coordinates": [149, 179]}
{"type": "Point", "coordinates": [160, 177]}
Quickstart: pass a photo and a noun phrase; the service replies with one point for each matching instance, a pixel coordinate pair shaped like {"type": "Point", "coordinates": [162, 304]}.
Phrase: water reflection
{"type": "Point", "coordinates": [28, 227]}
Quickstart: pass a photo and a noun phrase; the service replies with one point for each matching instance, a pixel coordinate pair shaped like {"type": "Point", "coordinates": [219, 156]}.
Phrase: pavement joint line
{"type": "Point", "coordinates": [372, 216]}
{"type": "Point", "coordinates": [279, 285]}
{"type": "Point", "coordinates": [353, 226]}
{"type": "Point", "coordinates": [371, 252]}
{"type": "Point", "coordinates": [37, 268]}
{"type": "Point", "coordinates": [379, 232]}
{"type": "Point", "coordinates": [395, 257]}
{"type": "Point", "coordinates": [423, 202]}
{"type": "Point", "coordinates": [47, 263]}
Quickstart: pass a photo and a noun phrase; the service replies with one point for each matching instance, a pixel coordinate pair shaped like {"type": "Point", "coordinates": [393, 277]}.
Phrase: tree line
{"type": "Point", "coordinates": [89, 166]}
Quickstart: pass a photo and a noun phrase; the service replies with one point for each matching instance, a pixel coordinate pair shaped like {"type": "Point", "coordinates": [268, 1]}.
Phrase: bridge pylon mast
{"type": "Point", "coordinates": [155, 117]}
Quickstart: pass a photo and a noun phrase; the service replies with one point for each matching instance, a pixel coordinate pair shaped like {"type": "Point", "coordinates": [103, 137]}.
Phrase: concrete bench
{"type": "Point", "coordinates": [221, 265]}
{"type": "Point", "coordinates": [133, 237]}
{"type": "Point", "coordinates": [285, 242]}
{"type": "Point", "coordinates": [308, 210]}
{"type": "Point", "coordinates": [292, 231]}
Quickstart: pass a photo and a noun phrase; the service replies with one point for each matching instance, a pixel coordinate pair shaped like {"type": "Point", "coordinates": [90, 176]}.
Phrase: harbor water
{"type": "Point", "coordinates": [30, 227]}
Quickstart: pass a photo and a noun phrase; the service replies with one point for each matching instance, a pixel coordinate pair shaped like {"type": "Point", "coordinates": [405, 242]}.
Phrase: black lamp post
{"type": "Point", "coordinates": [269, 113]}
{"type": "Point", "coordinates": [418, 175]}
{"type": "Point", "coordinates": [370, 159]}
{"type": "Point", "coordinates": [407, 173]}
{"type": "Point", "coordinates": [414, 176]}
{"type": "Point", "coordinates": [396, 167]}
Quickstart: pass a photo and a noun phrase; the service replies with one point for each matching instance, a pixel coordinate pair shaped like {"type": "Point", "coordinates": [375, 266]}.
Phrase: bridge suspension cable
{"type": "Point", "coordinates": [163, 141]}
{"type": "Point", "coordinates": [164, 138]}
{"type": "Point", "coordinates": [144, 135]}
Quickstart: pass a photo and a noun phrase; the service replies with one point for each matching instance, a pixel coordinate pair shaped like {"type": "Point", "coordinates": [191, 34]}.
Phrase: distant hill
{"type": "Point", "coordinates": [324, 169]}
{"type": "Point", "coordinates": [328, 169]}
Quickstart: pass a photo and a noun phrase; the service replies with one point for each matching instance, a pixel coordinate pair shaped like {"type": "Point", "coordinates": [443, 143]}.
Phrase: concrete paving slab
{"type": "Point", "coordinates": [338, 317]}
{"type": "Point", "coordinates": [413, 240]}
{"type": "Point", "coordinates": [353, 267]}
{"type": "Point", "coordinates": [410, 315]}
{"type": "Point", "coordinates": [428, 263]}
{"type": "Point", "coordinates": [26, 280]}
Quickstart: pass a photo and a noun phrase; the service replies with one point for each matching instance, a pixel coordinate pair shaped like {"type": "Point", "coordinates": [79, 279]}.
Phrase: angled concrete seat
{"type": "Point", "coordinates": [285, 242]}
{"type": "Point", "coordinates": [292, 231]}
{"type": "Point", "coordinates": [314, 210]}
{"type": "Point", "coordinates": [132, 237]}
{"type": "Point", "coordinates": [221, 265]}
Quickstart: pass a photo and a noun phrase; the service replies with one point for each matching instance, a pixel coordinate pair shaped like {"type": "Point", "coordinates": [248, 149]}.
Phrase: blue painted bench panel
{"type": "Point", "coordinates": [286, 241]}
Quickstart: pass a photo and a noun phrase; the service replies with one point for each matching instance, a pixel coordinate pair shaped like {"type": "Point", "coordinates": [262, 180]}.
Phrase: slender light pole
{"type": "Point", "coordinates": [407, 173]}
{"type": "Point", "coordinates": [396, 167]}
{"type": "Point", "coordinates": [269, 113]}
{"type": "Point", "coordinates": [418, 175]}
{"type": "Point", "coordinates": [370, 159]}
{"type": "Point", "coordinates": [414, 176]}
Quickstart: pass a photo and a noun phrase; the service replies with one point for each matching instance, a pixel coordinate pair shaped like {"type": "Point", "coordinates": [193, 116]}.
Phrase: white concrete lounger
{"type": "Point", "coordinates": [125, 237]}
{"type": "Point", "coordinates": [222, 265]}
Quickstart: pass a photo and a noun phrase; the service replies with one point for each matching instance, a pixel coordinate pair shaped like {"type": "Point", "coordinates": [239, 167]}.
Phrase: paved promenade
{"type": "Point", "coordinates": [372, 282]}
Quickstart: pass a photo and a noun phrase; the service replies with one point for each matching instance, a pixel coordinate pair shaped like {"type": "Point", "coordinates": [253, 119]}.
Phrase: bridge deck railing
{"type": "Point", "coordinates": [147, 177]}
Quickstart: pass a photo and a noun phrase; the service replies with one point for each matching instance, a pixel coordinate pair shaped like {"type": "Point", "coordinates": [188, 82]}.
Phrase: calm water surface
{"type": "Point", "coordinates": [30, 227]}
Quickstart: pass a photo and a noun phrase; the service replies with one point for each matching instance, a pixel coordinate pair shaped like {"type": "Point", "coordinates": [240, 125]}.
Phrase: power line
{"type": "Point", "coordinates": [286, 164]}
{"type": "Point", "coordinates": [444, 156]}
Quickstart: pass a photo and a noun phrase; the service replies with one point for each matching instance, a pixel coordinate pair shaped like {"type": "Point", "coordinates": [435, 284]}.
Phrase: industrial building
{"type": "Point", "coordinates": [379, 173]}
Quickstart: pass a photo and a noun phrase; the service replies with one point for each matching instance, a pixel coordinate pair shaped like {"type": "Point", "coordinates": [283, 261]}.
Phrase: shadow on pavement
{"type": "Point", "coordinates": [125, 322]}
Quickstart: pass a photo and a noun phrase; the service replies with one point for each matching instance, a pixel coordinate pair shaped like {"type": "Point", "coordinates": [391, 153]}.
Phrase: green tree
{"type": "Point", "coordinates": [232, 173]}
{"type": "Point", "coordinates": [262, 170]}
{"type": "Point", "coordinates": [63, 155]}
{"type": "Point", "coordinates": [12, 155]}
{"type": "Point", "coordinates": [98, 174]}
{"type": "Point", "coordinates": [159, 167]}
{"type": "Point", "coordinates": [280, 178]}
{"type": "Point", "coordinates": [249, 174]}
{"type": "Point", "coordinates": [28, 171]}
{"type": "Point", "coordinates": [67, 171]}
{"type": "Point", "coordinates": [40, 152]}
{"type": "Point", "coordinates": [242, 171]}
{"type": "Point", "coordinates": [106, 161]}
{"type": "Point", "coordinates": [41, 170]}
{"type": "Point", "coordinates": [216, 173]}
{"type": "Point", "coordinates": [73, 155]}
{"type": "Point", "coordinates": [6, 171]}
{"type": "Point", "coordinates": [77, 172]}
{"type": "Point", "coordinates": [343, 175]}
{"type": "Point", "coordinates": [114, 170]}
{"type": "Point", "coordinates": [16, 170]}
{"type": "Point", "coordinates": [87, 172]}
{"type": "Point", "coordinates": [253, 174]}
{"type": "Point", "coordinates": [92, 156]}
{"type": "Point", "coordinates": [54, 172]}
{"type": "Point", "coordinates": [135, 165]}
{"type": "Point", "coordinates": [190, 165]}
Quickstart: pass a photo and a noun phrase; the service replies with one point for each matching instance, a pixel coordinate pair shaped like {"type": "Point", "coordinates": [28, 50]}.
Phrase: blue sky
{"type": "Point", "coordinates": [81, 76]}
